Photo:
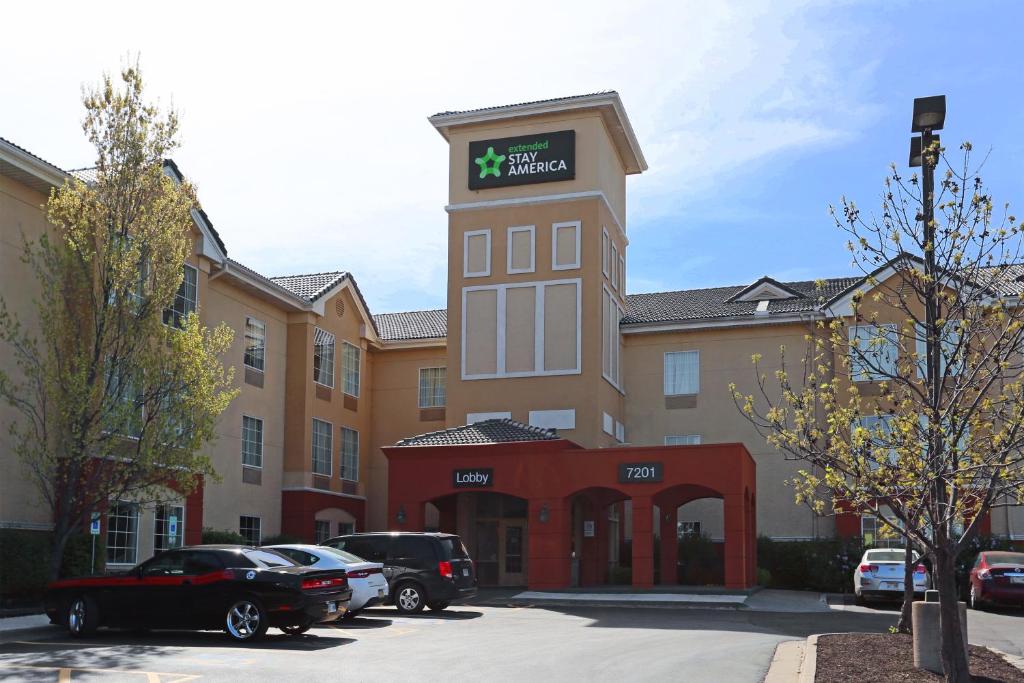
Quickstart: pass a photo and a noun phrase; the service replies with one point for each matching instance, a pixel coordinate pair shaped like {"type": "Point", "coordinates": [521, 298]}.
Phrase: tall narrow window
{"type": "Point", "coordinates": [432, 387]}
{"type": "Point", "coordinates": [604, 251]}
{"type": "Point", "coordinates": [873, 352]}
{"type": "Point", "coordinates": [350, 369]}
{"type": "Point", "coordinates": [349, 454]}
{"type": "Point", "coordinates": [255, 343]}
{"type": "Point", "coordinates": [565, 245]}
{"type": "Point", "coordinates": [323, 358]}
{"type": "Point", "coordinates": [521, 251]}
{"type": "Point", "coordinates": [252, 441]}
{"type": "Point", "coordinates": [614, 277]}
{"type": "Point", "coordinates": [251, 529]}
{"type": "Point", "coordinates": [169, 531]}
{"type": "Point", "coordinates": [682, 373]}
{"type": "Point", "coordinates": [321, 530]}
{"type": "Point", "coordinates": [323, 442]}
{"type": "Point", "coordinates": [476, 247]}
{"type": "Point", "coordinates": [123, 533]}
{"type": "Point", "coordinates": [186, 300]}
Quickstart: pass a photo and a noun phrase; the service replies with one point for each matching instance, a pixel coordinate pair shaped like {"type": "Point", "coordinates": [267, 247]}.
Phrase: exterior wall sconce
{"type": "Point", "coordinates": [545, 514]}
{"type": "Point", "coordinates": [400, 517]}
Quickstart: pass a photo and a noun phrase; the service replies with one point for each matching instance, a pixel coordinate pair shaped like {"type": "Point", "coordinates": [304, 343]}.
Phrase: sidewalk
{"type": "Point", "coordinates": [31, 621]}
{"type": "Point", "coordinates": [682, 597]}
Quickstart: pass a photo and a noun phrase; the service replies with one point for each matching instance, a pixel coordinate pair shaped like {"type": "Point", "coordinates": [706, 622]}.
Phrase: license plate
{"type": "Point", "coordinates": [332, 607]}
{"type": "Point", "coordinates": [891, 586]}
{"type": "Point", "coordinates": [465, 571]}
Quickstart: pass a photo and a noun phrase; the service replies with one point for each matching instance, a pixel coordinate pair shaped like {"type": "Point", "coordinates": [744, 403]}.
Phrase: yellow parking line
{"type": "Point", "coordinates": [64, 673]}
{"type": "Point", "coordinates": [64, 676]}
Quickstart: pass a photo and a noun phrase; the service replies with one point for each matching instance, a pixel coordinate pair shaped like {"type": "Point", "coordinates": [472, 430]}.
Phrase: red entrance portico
{"type": "Point", "coordinates": [552, 475]}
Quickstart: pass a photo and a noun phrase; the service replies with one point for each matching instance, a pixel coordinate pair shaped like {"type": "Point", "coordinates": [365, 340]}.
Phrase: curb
{"type": "Point", "coordinates": [809, 667]}
{"type": "Point", "coordinates": [736, 607]}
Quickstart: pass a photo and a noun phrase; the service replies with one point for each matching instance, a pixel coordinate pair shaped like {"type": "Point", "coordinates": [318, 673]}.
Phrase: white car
{"type": "Point", "coordinates": [369, 586]}
{"type": "Point", "coordinates": [880, 575]}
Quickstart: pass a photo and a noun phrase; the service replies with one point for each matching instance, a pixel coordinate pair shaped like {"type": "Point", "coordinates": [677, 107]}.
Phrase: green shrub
{"type": "Point", "coordinates": [620, 576]}
{"type": "Point", "coordinates": [821, 565]}
{"type": "Point", "coordinates": [25, 562]}
{"type": "Point", "coordinates": [281, 539]}
{"type": "Point", "coordinates": [699, 562]}
{"type": "Point", "coordinates": [764, 577]}
{"type": "Point", "coordinates": [223, 537]}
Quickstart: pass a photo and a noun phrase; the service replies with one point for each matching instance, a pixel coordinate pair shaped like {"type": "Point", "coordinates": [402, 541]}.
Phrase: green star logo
{"type": "Point", "coordinates": [490, 163]}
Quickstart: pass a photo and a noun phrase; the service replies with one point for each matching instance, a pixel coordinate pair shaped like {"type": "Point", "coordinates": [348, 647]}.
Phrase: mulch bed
{"type": "Point", "coordinates": [856, 657]}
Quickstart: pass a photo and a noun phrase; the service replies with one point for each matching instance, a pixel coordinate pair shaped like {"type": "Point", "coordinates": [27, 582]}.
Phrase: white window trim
{"type": "Point", "coordinates": [341, 453]}
{"type": "Point", "coordinates": [604, 250]}
{"type": "Point", "coordinates": [330, 450]}
{"type": "Point", "coordinates": [608, 424]}
{"type": "Point", "coordinates": [533, 249]}
{"type": "Point", "coordinates": [867, 375]}
{"type": "Point", "coordinates": [261, 322]}
{"type": "Point", "coordinates": [359, 369]}
{"type": "Point", "coordinates": [613, 300]}
{"type": "Point", "coordinates": [196, 311]}
{"type": "Point", "coordinates": [181, 522]}
{"type": "Point", "coordinates": [465, 253]}
{"type": "Point", "coordinates": [262, 429]}
{"type": "Point", "coordinates": [334, 357]}
{"type": "Point", "coordinates": [614, 277]}
{"type": "Point", "coordinates": [538, 330]}
{"type": "Point", "coordinates": [553, 419]}
{"type": "Point", "coordinates": [138, 533]}
{"type": "Point", "coordinates": [622, 274]}
{"type": "Point", "coordinates": [554, 245]}
{"type": "Point", "coordinates": [419, 377]}
{"type": "Point", "coordinates": [256, 517]}
{"type": "Point", "coordinates": [697, 351]}
{"type": "Point", "coordinates": [682, 436]}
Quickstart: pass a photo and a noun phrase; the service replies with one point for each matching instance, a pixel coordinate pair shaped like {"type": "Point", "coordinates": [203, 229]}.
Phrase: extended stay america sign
{"type": "Point", "coordinates": [525, 159]}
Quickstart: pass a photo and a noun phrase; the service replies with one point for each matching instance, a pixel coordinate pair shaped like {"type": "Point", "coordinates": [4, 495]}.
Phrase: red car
{"type": "Point", "coordinates": [997, 577]}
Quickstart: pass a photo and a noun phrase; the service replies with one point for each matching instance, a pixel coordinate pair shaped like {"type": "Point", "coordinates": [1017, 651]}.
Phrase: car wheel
{"type": "Point", "coordinates": [246, 620]}
{"type": "Point", "coordinates": [438, 606]}
{"type": "Point", "coordinates": [83, 616]}
{"type": "Point", "coordinates": [409, 598]}
{"type": "Point", "coordinates": [297, 630]}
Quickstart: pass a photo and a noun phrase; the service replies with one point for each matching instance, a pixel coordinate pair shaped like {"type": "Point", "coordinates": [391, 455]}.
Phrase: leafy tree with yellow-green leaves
{"type": "Point", "coordinates": [115, 390]}
{"type": "Point", "coordinates": [894, 409]}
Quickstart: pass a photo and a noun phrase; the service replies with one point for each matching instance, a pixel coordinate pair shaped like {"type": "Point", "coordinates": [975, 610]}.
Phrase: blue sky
{"type": "Point", "coordinates": [753, 117]}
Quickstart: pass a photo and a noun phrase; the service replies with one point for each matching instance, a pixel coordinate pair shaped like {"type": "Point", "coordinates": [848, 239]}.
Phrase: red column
{"type": "Point", "coordinates": [735, 542]}
{"type": "Point", "coordinates": [548, 562]}
{"type": "Point", "coordinates": [193, 516]}
{"type": "Point", "coordinates": [669, 547]}
{"type": "Point", "coordinates": [643, 542]}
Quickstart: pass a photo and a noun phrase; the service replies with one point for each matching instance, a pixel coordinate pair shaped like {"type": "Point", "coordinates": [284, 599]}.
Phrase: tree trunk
{"type": "Point", "coordinates": [905, 624]}
{"type": "Point", "coordinates": [954, 661]}
{"type": "Point", "coordinates": [61, 534]}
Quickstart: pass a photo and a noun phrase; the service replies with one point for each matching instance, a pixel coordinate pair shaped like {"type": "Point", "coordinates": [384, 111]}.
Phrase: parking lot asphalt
{"type": "Point", "coordinates": [477, 641]}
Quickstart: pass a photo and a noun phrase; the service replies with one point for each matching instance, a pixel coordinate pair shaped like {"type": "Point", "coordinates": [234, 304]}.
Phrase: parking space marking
{"type": "Point", "coordinates": [64, 673]}
{"type": "Point", "coordinates": [64, 676]}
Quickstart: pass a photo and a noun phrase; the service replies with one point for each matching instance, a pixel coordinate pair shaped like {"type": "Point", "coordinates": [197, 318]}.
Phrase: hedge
{"type": "Point", "coordinates": [25, 561]}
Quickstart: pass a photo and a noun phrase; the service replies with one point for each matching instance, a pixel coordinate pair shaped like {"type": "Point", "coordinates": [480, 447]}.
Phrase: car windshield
{"type": "Point", "coordinates": [897, 555]}
{"type": "Point", "coordinates": [269, 558]}
{"type": "Point", "coordinates": [341, 554]}
{"type": "Point", "coordinates": [453, 548]}
{"type": "Point", "coordinates": [1004, 558]}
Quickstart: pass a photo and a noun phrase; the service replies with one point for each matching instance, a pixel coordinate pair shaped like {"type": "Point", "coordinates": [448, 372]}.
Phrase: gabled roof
{"type": "Point", "coordinates": [432, 324]}
{"type": "Point", "coordinates": [312, 286]}
{"type": "Point", "coordinates": [763, 289]}
{"type": "Point", "coordinates": [488, 431]}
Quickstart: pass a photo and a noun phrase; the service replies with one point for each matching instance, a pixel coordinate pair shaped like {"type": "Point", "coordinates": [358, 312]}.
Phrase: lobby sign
{"type": "Point", "coordinates": [640, 472]}
{"type": "Point", "coordinates": [522, 160]}
{"type": "Point", "coordinates": [478, 477]}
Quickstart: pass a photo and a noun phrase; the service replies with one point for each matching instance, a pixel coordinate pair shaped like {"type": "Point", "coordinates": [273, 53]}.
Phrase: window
{"type": "Point", "coordinates": [875, 440]}
{"type": "Point", "coordinates": [250, 528]}
{"type": "Point", "coordinates": [350, 369]}
{"type": "Point", "coordinates": [186, 300]}
{"type": "Point", "coordinates": [476, 253]}
{"type": "Point", "coordinates": [169, 531]}
{"type": "Point", "coordinates": [615, 267]}
{"type": "Point", "coordinates": [345, 528]}
{"type": "Point", "coordinates": [127, 416]}
{"type": "Point", "coordinates": [604, 251]}
{"type": "Point", "coordinates": [565, 245]}
{"type": "Point", "coordinates": [521, 249]}
{"type": "Point", "coordinates": [684, 529]}
{"type": "Point", "coordinates": [876, 534]}
{"type": "Point", "coordinates": [873, 350]}
{"type": "Point", "coordinates": [323, 358]}
{"type": "Point", "coordinates": [252, 441]}
{"type": "Point", "coordinates": [255, 343]}
{"type": "Point", "coordinates": [683, 440]}
{"type": "Point", "coordinates": [611, 339]}
{"type": "Point", "coordinates": [321, 530]}
{"type": "Point", "coordinates": [432, 387]}
{"type": "Point", "coordinates": [682, 373]}
{"type": "Point", "coordinates": [622, 275]}
{"type": "Point", "coordinates": [950, 351]}
{"type": "Point", "coordinates": [323, 442]}
{"type": "Point", "coordinates": [123, 533]}
{"type": "Point", "coordinates": [349, 454]}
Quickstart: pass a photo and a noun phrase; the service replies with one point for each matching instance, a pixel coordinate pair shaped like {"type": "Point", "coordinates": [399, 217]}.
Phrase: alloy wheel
{"type": "Point", "coordinates": [76, 616]}
{"type": "Point", "coordinates": [243, 620]}
{"type": "Point", "coordinates": [409, 598]}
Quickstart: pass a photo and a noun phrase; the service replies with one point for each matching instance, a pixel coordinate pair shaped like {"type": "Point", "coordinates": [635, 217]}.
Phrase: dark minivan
{"type": "Point", "coordinates": [422, 569]}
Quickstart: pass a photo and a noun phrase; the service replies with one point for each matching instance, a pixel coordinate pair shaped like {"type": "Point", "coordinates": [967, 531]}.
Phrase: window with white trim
{"type": "Point", "coordinates": [168, 516]}
{"type": "Point", "coordinates": [321, 530]}
{"type": "Point", "coordinates": [123, 533]}
{"type": "Point", "coordinates": [251, 529]}
{"type": "Point", "coordinates": [875, 442]}
{"type": "Point", "coordinates": [323, 357]}
{"type": "Point", "coordinates": [873, 352]}
{"type": "Point", "coordinates": [683, 440]}
{"type": "Point", "coordinates": [614, 277]}
{"type": "Point", "coordinates": [565, 245]}
{"type": "Point", "coordinates": [433, 393]}
{"type": "Point", "coordinates": [255, 344]}
{"type": "Point", "coordinates": [476, 253]}
{"type": "Point", "coordinates": [682, 373]}
{"type": "Point", "coordinates": [622, 274]}
{"type": "Point", "coordinates": [604, 251]}
{"type": "Point", "coordinates": [252, 441]}
{"type": "Point", "coordinates": [948, 351]}
{"type": "Point", "coordinates": [521, 249]}
{"type": "Point", "coordinates": [323, 443]}
{"type": "Point", "coordinates": [349, 454]}
{"type": "Point", "coordinates": [350, 369]}
{"type": "Point", "coordinates": [611, 338]}
{"type": "Point", "coordinates": [186, 300]}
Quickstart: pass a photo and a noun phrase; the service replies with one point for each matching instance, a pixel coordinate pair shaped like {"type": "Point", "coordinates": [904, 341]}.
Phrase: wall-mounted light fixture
{"type": "Point", "coordinates": [545, 514]}
{"type": "Point", "coordinates": [400, 517]}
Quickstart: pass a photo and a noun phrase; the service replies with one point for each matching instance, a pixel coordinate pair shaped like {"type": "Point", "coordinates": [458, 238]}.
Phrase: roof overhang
{"type": "Point", "coordinates": [28, 169]}
{"type": "Point", "coordinates": [707, 323]}
{"type": "Point", "coordinates": [608, 104]}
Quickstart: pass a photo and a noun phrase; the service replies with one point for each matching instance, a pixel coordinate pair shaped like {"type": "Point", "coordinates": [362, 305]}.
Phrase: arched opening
{"type": "Point", "coordinates": [690, 529]}
{"type": "Point", "coordinates": [494, 528]}
{"type": "Point", "coordinates": [601, 537]}
{"type": "Point", "coordinates": [332, 522]}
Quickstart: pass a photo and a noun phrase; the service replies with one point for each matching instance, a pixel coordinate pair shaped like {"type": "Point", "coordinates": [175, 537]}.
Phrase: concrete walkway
{"type": "Point", "coordinates": [766, 600]}
{"type": "Point", "coordinates": [639, 598]}
{"type": "Point", "coordinates": [19, 623]}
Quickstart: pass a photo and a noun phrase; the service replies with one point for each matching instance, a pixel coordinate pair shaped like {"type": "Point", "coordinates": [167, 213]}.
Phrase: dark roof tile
{"type": "Point", "coordinates": [487, 431]}
{"type": "Point", "coordinates": [412, 325]}
{"type": "Point", "coordinates": [310, 287]}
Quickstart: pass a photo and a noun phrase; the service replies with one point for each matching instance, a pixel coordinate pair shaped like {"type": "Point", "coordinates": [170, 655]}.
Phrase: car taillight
{"type": "Point", "coordinates": [868, 568]}
{"type": "Point", "coordinates": [445, 567]}
{"type": "Point", "coordinates": [920, 569]}
{"type": "Point", "coordinates": [984, 574]}
{"type": "Point", "coordinates": [315, 584]}
{"type": "Point", "coordinates": [363, 573]}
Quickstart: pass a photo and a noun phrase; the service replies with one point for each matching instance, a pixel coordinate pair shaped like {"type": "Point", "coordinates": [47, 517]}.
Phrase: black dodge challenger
{"type": "Point", "coordinates": [239, 589]}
